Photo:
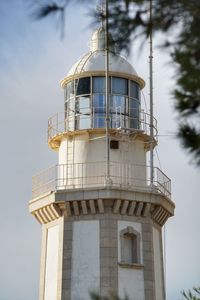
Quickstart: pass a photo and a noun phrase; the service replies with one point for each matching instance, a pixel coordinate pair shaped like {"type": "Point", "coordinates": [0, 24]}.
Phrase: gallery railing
{"type": "Point", "coordinates": [93, 174]}
{"type": "Point", "coordinates": [62, 122]}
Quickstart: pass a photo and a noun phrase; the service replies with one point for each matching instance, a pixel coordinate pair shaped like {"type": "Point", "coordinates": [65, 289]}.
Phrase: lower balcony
{"type": "Point", "coordinates": [93, 175]}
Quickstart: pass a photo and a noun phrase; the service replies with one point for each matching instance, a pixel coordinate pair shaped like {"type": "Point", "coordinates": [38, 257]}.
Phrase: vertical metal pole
{"type": "Point", "coordinates": [165, 258]}
{"type": "Point", "coordinates": [151, 99]}
{"type": "Point", "coordinates": [107, 95]}
{"type": "Point", "coordinates": [74, 129]}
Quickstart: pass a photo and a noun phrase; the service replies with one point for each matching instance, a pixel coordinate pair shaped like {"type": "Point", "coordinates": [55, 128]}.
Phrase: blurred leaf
{"type": "Point", "coordinates": [46, 9]}
{"type": "Point", "coordinates": [190, 294]}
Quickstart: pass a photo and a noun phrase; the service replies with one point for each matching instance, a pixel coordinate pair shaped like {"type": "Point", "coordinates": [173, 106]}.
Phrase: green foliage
{"type": "Point", "coordinates": [179, 21]}
{"type": "Point", "coordinates": [192, 295]}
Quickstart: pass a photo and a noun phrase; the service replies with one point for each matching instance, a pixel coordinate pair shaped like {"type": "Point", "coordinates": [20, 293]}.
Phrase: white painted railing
{"type": "Point", "coordinates": [60, 123]}
{"type": "Point", "coordinates": [93, 174]}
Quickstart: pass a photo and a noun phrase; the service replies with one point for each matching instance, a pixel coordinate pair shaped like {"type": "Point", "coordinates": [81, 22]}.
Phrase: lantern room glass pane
{"type": "Point", "coordinates": [118, 104]}
{"type": "Point", "coordinates": [99, 120]}
{"type": "Point", "coordinates": [83, 122]}
{"type": "Point", "coordinates": [83, 105]}
{"type": "Point", "coordinates": [83, 86]}
{"type": "Point", "coordinates": [83, 112]}
{"type": "Point", "coordinates": [99, 85]}
{"type": "Point", "coordinates": [119, 86]}
{"type": "Point", "coordinates": [69, 113]}
{"type": "Point", "coordinates": [117, 121]}
{"type": "Point", "coordinates": [134, 90]}
{"type": "Point", "coordinates": [69, 89]}
{"type": "Point", "coordinates": [134, 113]}
{"type": "Point", "coordinates": [99, 103]}
{"type": "Point", "coordinates": [99, 111]}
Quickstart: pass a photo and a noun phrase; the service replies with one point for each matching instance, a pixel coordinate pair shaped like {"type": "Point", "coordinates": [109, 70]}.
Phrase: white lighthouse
{"type": "Point", "coordinates": [101, 215]}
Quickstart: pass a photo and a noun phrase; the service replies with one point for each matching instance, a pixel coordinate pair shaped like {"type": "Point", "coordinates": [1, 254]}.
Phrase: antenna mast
{"type": "Point", "coordinates": [107, 95]}
{"type": "Point", "coordinates": [151, 96]}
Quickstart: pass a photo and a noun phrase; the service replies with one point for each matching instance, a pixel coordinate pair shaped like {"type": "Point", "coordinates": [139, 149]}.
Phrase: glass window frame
{"type": "Point", "coordinates": [125, 115]}
{"type": "Point", "coordinates": [72, 95]}
{"type": "Point", "coordinates": [76, 86]}
{"type": "Point", "coordinates": [118, 93]}
{"type": "Point", "coordinates": [136, 93]}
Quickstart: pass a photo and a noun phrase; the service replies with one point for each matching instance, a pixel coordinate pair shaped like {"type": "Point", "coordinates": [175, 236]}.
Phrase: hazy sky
{"type": "Point", "coordinates": [33, 60]}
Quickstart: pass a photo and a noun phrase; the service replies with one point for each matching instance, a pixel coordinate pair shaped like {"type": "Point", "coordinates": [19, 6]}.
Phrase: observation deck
{"type": "Point", "coordinates": [93, 175]}
{"type": "Point", "coordinates": [59, 126]}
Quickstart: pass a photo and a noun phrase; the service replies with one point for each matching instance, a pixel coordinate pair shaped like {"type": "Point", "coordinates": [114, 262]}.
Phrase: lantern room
{"type": "Point", "coordinates": [85, 103]}
{"type": "Point", "coordinates": [85, 89]}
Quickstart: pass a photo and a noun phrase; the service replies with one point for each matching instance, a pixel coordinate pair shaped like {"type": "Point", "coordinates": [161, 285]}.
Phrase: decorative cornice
{"type": "Point", "coordinates": [125, 207]}
{"type": "Point", "coordinates": [160, 215]}
{"type": "Point", "coordinates": [84, 207]}
{"type": "Point", "coordinates": [47, 213]}
{"type": "Point", "coordinates": [92, 202]}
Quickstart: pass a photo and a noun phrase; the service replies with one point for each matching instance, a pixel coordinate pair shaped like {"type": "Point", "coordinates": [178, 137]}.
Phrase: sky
{"type": "Point", "coordinates": [33, 60]}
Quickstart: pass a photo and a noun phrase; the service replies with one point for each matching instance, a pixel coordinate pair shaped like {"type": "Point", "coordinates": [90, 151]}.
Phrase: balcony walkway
{"type": "Point", "coordinates": [93, 175]}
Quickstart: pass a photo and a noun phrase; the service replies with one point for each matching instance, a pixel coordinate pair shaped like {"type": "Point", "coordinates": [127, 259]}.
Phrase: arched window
{"type": "Point", "coordinates": [130, 246]}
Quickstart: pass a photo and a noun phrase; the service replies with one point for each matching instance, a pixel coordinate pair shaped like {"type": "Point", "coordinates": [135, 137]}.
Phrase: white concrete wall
{"type": "Point", "coordinates": [158, 265]}
{"type": "Point", "coordinates": [94, 150]}
{"type": "Point", "coordinates": [130, 281]}
{"type": "Point", "coordinates": [85, 259]}
{"type": "Point", "coordinates": [62, 154]}
{"type": "Point", "coordinates": [51, 269]}
{"type": "Point", "coordinates": [86, 151]}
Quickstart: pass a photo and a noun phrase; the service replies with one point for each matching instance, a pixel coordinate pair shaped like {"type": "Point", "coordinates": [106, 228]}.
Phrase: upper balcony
{"type": "Point", "coordinates": [61, 124]}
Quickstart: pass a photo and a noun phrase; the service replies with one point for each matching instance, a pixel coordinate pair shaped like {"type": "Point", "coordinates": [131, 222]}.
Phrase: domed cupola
{"type": "Point", "coordinates": [94, 61]}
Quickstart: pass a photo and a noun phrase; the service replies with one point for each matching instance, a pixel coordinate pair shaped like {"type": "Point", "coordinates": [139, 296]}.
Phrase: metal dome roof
{"type": "Point", "coordinates": [94, 61]}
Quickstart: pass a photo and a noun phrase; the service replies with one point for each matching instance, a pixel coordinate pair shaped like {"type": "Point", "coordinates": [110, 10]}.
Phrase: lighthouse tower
{"type": "Point", "coordinates": [101, 215]}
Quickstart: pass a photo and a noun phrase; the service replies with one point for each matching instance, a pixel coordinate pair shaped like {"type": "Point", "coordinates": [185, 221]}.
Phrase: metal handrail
{"type": "Point", "coordinates": [93, 174]}
{"type": "Point", "coordinates": [60, 123]}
